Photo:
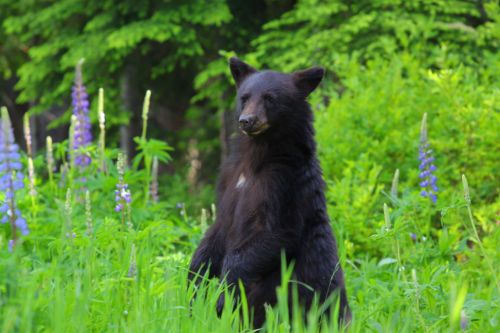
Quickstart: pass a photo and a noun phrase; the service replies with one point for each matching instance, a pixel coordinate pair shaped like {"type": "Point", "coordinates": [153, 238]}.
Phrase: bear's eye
{"type": "Point", "coordinates": [268, 98]}
{"type": "Point", "coordinates": [244, 99]}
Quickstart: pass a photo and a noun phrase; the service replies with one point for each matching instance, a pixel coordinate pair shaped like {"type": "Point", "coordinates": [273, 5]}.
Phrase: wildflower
{"type": "Point", "coordinates": [64, 171]}
{"type": "Point", "coordinates": [68, 210]}
{"type": "Point", "coordinates": [130, 226]}
{"type": "Point", "coordinates": [464, 321]}
{"type": "Point", "coordinates": [31, 167]}
{"type": "Point", "coordinates": [88, 214]}
{"type": "Point", "coordinates": [29, 148]}
{"type": "Point", "coordinates": [50, 158]}
{"type": "Point", "coordinates": [145, 111]}
{"type": "Point", "coordinates": [102, 127]}
{"type": "Point", "coordinates": [27, 134]}
{"type": "Point", "coordinates": [82, 135]}
{"type": "Point", "coordinates": [11, 180]}
{"type": "Point", "coordinates": [413, 236]}
{"type": "Point", "coordinates": [428, 179]}
{"type": "Point", "coordinates": [203, 220]}
{"type": "Point", "coordinates": [387, 218]}
{"type": "Point", "coordinates": [213, 212]}
{"type": "Point", "coordinates": [132, 270]}
{"type": "Point", "coordinates": [154, 180]}
{"type": "Point", "coordinates": [182, 207]}
{"type": "Point", "coordinates": [122, 196]}
{"type": "Point", "coordinates": [71, 142]}
{"type": "Point", "coordinates": [414, 275]}
{"type": "Point", "coordinates": [122, 193]}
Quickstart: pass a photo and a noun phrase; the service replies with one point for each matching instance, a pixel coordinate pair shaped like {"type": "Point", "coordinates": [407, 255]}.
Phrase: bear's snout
{"type": "Point", "coordinates": [247, 122]}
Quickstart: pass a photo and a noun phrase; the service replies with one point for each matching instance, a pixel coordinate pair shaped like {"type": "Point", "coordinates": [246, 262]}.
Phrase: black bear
{"type": "Point", "coordinates": [270, 197]}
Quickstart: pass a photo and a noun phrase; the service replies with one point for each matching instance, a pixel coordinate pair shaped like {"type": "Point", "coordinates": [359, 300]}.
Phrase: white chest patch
{"type": "Point", "coordinates": [241, 181]}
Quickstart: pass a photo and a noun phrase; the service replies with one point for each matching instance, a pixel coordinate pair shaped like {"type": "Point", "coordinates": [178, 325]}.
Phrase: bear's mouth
{"type": "Point", "coordinates": [256, 131]}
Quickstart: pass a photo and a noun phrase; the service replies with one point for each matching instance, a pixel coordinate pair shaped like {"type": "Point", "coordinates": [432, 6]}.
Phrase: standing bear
{"type": "Point", "coordinates": [270, 197]}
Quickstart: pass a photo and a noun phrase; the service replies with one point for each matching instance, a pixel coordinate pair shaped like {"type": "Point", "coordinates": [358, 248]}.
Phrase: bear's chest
{"type": "Point", "coordinates": [245, 195]}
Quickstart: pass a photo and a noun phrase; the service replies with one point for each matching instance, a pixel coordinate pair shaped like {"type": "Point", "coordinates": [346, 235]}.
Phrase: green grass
{"type": "Point", "coordinates": [52, 283]}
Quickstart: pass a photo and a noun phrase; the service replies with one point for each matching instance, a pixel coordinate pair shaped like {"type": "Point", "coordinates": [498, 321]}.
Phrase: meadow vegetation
{"type": "Point", "coordinates": [410, 104]}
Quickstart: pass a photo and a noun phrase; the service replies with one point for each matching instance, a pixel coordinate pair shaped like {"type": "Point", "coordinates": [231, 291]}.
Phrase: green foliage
{"type": "Point", "coordinates": [11, 52]}
{"type": "Point", "coordinates": [325, 30]}
{"type": "Point", "coordinates": [339, 35]}
{"type": "Point", "coordinates": [380, 100]}
{"type": "Point", "coordinates": [109, 36]}
{"type": "Point", "coordinates": [148, 149]}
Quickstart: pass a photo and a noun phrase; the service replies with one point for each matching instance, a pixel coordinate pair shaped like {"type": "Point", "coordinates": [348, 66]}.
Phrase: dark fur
{"type": "Point", "coordinates": [281, 206]}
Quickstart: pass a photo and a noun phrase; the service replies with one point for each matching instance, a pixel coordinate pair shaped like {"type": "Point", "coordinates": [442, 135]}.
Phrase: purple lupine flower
{"type": "Point", "coordinates": [427, 178]}
{"type": "Point", "coordinates": [82, 134]}
{"type": "Point", "coordinates": [153, 188]}
{"type": "Point", "coordinates": [464, 321]}
{"type": "Point", "coordinates": [122, 193]}
{"type": "Point", "coordinates": [122, 196]}
{"type": "Point", "coordinates": [11, 180]}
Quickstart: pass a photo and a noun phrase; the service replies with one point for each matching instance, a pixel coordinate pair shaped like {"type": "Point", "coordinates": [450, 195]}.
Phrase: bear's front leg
{"type": "Point", "coordinates": [207, 257]}
{"type": "Point", "coordinates": [256, 258]}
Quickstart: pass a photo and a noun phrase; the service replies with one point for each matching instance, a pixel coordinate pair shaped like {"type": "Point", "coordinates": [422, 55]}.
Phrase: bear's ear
{"type": "Point", "coordinates": [240, 70]}
{"type": "Point", "coordinates": [308, 79]}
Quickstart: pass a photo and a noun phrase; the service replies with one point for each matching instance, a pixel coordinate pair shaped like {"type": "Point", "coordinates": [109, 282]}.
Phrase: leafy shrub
{"type": "Point", "coordinates": [372, 129]}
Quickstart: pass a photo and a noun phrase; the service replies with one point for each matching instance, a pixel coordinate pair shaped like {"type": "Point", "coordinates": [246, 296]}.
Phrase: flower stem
{"type": "Point", "coordinates": [475, 233]}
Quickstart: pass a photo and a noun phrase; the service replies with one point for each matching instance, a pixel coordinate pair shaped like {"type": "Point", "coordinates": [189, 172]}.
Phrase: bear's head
{"type": "Point", "coordinates": [266, 99]}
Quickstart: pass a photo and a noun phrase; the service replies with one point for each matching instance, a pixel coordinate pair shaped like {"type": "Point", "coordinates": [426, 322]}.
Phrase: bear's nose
{"type": "Point", "coordinates": [247, 122]}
